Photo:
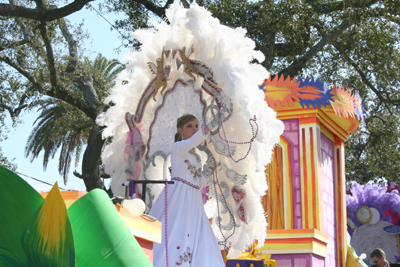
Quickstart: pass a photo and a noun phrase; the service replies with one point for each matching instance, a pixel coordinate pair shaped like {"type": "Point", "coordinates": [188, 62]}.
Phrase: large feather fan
{"type": "Point", "coordinates": [196, 65]}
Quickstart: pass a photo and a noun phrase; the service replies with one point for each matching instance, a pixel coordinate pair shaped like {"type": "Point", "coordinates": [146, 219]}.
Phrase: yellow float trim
{"type": "Point", "coordinates": [296, 241]}
{"type": "Point", "coordinates": [139, 226]}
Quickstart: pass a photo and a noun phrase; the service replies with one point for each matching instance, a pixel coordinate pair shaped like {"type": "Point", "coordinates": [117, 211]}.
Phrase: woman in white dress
{"type": "Point", "coordinates": [190, 239]}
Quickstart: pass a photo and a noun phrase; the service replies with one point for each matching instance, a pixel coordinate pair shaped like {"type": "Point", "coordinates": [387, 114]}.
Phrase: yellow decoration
{"type": "Point", "coordinates": [273, 200]}
{"type": "Point", "coordinates": [185, 60]}
{"type": "Point", "coordinates": [256, 254]}
{"type": "Point", "coordinates": [353, 260]}
{"type": "Point", "coordinates": [49, 235]}
{"type": "Point", "coordinates": [159, 71]}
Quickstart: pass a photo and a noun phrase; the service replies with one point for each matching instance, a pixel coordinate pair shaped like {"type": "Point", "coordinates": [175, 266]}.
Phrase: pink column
{"type": "Point", "coordinates": [328, 198]}
{"type": "Point", "coordinates": [291, 134]}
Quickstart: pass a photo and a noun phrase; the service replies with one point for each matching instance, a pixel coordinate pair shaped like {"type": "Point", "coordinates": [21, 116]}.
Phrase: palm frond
{"type": "Point", "coordinates": [70, 142]}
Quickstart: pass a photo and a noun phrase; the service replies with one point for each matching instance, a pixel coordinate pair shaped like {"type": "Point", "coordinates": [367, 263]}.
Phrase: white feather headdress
{"type": "Point", "coordinates": [196, 66]}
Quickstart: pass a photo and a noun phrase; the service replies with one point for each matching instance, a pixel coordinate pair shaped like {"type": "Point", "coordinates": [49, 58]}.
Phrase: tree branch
{"type": "Point", "coordinates": [77, 174]}
{"type": "Point", "coordinates": [22, 71]}
{"type": "Point", "coordinates": [185, 4]}
{"type": "Point", "coordinates": [103, 174]}
{"type": "Point", "coordinates": [72, 47]}
{"type": "Point", "coordinates": [382, 13]}
{"type": "Point", "coordinates": [368, 83]}
{"type": "Point", "coordinates": [299, 63]}
{"type": "Point", "coordinates": [159, 11]}
{"type": "Point", "coordinates": [295, 47]}
{"type": "Point", "coordinates": [85, 81]}
{"type": "Point", "coordinates": [340, 5]}
{"type": "Point", "coordinates": [53, 92]}
{"type": "Point", "coordinates": [8, 45]}
{"type": "Point", "coordinates": [61, 94]}
{"type": "Point", "coordinates": [39, 4]}
{"type": "Point", "coordinates": [168, 3]}
{"type": "Point", "coordinates": [289, 49]}
{"type": "Point", "coordinates": [14, 112]}
{"type": "Point", "coordinates": [10, 10]}
{"type": "Point", "coordinates": [89, 93]}
{"type": "Point", "coordinates": [26, 37]}
{"type": "Point", "coordinates": [50, 54]}
{"type": "Point", "coordinates": [376, 117]}
{"type": "Point", "coordinates": [21, 105]}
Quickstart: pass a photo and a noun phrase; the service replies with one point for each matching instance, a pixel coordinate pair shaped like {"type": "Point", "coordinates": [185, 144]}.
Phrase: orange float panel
{"type": "Point", "coordinates": [69, 196]}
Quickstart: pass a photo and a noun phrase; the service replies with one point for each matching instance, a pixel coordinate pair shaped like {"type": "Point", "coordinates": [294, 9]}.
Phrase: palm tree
{"type": "Point", "coordinates": [61, 125]}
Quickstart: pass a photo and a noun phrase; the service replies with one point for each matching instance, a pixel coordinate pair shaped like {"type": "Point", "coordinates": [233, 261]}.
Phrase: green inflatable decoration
{"type": "Point", "coordinates": [42, 232]}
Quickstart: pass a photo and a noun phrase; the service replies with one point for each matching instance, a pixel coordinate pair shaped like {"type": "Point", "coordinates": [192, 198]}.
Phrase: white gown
{"type": "Point", "coordinates": [191, 241]}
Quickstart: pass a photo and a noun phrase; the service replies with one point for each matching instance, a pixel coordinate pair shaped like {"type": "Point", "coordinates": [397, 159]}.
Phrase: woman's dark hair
{"type": "Point", "coordinates": [179, 124]}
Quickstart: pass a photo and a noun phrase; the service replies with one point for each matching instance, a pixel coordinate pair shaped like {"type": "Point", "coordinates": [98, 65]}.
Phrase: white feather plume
{"type": "Point", "coordinates": [228, 52]}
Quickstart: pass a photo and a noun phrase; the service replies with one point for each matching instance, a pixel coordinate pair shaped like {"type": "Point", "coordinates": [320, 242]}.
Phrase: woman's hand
{"type": "Point", "coordinates": [206, 129]}
{"type": "Point", "coordinates": [213, 124]}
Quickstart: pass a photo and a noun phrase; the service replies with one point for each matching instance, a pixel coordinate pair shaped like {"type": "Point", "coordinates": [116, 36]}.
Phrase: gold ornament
{"type": "Point", "coordinates": [159, 71]}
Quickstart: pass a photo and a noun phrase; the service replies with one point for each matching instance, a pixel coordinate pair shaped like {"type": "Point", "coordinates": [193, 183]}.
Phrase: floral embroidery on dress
{"type": "Point", "coordinates": [193, 170]}
{"type": "Point", "coordinates": [186, 257]}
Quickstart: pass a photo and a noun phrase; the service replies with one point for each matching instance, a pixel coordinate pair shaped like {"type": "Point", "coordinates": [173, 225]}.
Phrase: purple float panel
{"type": "Point", "coordinates": [299, 260]}
{"type": "Point", "coordinates": [328, 198]}
{"type": "Point", "coordinates": [317, 261]}
{"type": "Point", "coordinates": [293, 260]}
{"type": "Point", "coordinates": [291, 134]}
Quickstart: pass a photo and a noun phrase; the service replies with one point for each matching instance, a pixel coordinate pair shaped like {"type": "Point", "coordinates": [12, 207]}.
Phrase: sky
{"type": "Point", "coordinates": [105, 41]}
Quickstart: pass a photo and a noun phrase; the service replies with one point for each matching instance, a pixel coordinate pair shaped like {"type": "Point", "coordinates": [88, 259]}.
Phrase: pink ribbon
{"type": "Point", "coordinates": [134, 137]}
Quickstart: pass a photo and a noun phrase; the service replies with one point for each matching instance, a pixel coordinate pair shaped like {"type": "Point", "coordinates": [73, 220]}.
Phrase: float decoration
{"type": "Point", "coordinates": [285, 91]}
{"type": "Point", "coordinates": [373, 217]}
{"type": "Point", "coordinates": [48, 239]}
{"type": "Point", "coordinates": [38, 232]}
{"type": "Point", "coordinates": [342, 105]}
{"type": "Point", "coordinates": [207, 69]}
{"type": "Point", "coordinates": [280, 91]}
{"type": "Point", "coordinates": [314, 93]}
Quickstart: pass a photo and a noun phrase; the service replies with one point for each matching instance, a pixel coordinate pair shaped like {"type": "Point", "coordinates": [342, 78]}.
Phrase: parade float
{"type": "Point", "coordinates": [196, 65]}
{"type": "Point", "coordinates": [373, 216]}
{"type": "Point", "coordinates": [306, 210]}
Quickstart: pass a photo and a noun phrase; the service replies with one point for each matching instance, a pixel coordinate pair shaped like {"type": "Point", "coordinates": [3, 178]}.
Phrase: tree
{"type": "Point", "coordinates": [43, 57]}
{"type": "Point", "coordinates": [6, 163]}
{"type": "Point", "coordinates": [42, 11]}
{"type": "Point", "coordinates": [62, 126]}
{"type": "Point", "coordinates": [11, 104]}
{"type": "Point", "coordinates": [354, 43]}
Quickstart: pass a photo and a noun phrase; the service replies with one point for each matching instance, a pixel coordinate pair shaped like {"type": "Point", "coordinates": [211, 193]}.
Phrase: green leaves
{"type": "Point", "coordinates": [115, 244]}
{"type": "Point", "coordinates": [372, 152]}
{"type": "Point", "coordinates": [36, 232]}
{"type": "Point", "coordinates": [20, 202]}
{"type": "Point", "coordinates": [8, 259]}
